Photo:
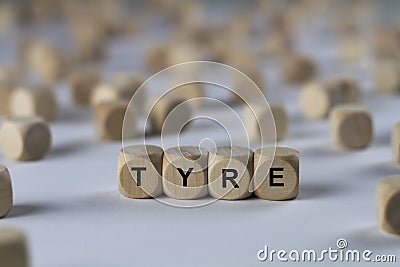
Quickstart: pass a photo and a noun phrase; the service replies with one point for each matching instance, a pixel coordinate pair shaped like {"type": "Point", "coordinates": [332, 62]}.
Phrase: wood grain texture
{"type": "Point", "coordinates": [236, 159]}
{"type": "Point", "coordinates": [395, 142]}
{"type": "Point", "coordinates": [6, 192]}
{"type": "Point", "coordinates": [82, 84]}
{"type": "Point", "coordinates": [297, 69]}
{"type": "Point", "coordinates": [253, 121]}
{"type": "Point", "coordinates": [185, 172]}
{"type": "Point", "coordinates": [13, 248]}
{"type": "Point", "coordinates": [317, 99]}
{"type": "Point", "coordinates": [388, 204]}
{"type": "Point", "coordinates": [351, 127]}
{"type": "Point", "coordinates": [276, 175]}
{"type": "Point", "coordinates": [109, 118]}
{"type": "Point", "coordinates": [25, 138]}
{"type": "Point", "coordinates": [140, 156]}
{"type": "Point", "coordinates": [38, 101]}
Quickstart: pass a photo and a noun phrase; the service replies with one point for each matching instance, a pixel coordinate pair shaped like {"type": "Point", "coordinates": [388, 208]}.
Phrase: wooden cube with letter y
{"type": "Point", "coordinates": [276, 175]}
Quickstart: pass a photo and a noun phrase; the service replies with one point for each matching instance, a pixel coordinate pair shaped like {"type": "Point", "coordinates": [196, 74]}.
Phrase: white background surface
{"type": "Point", "coordinates": [70, 208]}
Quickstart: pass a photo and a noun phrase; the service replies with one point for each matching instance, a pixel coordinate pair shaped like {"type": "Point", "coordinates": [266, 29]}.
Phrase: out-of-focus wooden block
{"type": "Point", "coordinates": [47, 61]}
{"type": "Point", "coordinates": [276, 175]}
{"type": "Point", "coordinates": [261, 116]}
{"type": "Point", "coordinates": [353, 49]}
{"type": "Point", "coordinates": [157, 58]}
{"type": "Point", "coordinates": [5, 92]}
{"type": "Point", "coordinates": [351, 126]}
{"type": "Point", "coordinates": [388, 204]}
{"type": "Point", "coordinates": [185, 172]}
{"type": "Point", "coordinates": [396, 142]}
{"type": "Point", "coordinates": [168, 114]}
{"type": "Point", "coordinates": [123, 88]}
{"type": "Point", "coordinates": [139, 171]}
{"type": "Point", "coordinates": [109, 118]}
{"type": "Point", "coordinates": [190, 92]}
{"type": "Point", "coordinates": [82, 85]}
{"type": "Point", "coordinates": [39, 101]}
{"type": "Point", "coordinates": [387, 76]}
{"type": "Point", "coordinates": [277, 44]}
{"type": "Point", "coordinates": [230, 170]}
{"type": "Point", "coordinates": [386, 42]}
{"type": "Point", "coordinates": [298, 69]}
{"type": "Point", "coordinates": [25, 138]}
{"type": "Point", "coordinates": [13, 249]}
{"type": "Point", "coordinates": [240, 85]}
{"type": "Point", "coordinates": [318, 99]}
{"type": "Point", "coordinates": [6, 192]}
{"type": "Point", "coordinates": [128, 84]}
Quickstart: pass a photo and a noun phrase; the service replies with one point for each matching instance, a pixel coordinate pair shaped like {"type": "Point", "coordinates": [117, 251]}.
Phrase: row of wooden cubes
{"type": "Point", "coordinates": [190, 172]}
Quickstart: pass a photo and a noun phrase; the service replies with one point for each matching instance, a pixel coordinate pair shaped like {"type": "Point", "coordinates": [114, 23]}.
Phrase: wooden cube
{"type": "Point", "coordinates": [188, 92]}
{"type": "Point", "coordinates": [388, 204]}
{"type": "Point", "coordinates": [7, 81]}
{"type": "Point", "coordinates": [13, 249]}
{"type": "Point", "coordinates": [353, 49]}
{"type": "Point", "coordinates": [127, 85]}
{"type": "Point", "coordinates": [386, 76]}
{"type": "Point", "coordinates": [230, 170]}
{"type": "Point", "coordinates": [165, 115]}
{"type": "Point", "coordinates": [351, 127]}
{"type": "Point", "coordinates": [157, 58]}
{"type": "Point", "coordinates": [396, 142]}
{"type": "Point", "coordinates": [25, 138]}
{"type": "Point", "coordinates": [240, 86]}
{"type": "Point", "coordinates": [262, 116]}
{"type": "Point", "coordinates": [109, 118]}
{"type": "Point", "coordinates": [139, 171]}
{"type": "Point", "coordinates": [185, 172]}
{"type": "Point", "coordinates": [276, 173]}
{"type": "Point", "coordinates": [6, 192]}
{"type": "Point", "coordinates": [82, 85]}
{"type": "Point", "coordinates": [121, 89]}
{"type": "Point", "coordinates": [298, 69]}
{"type": "Point", "coordinates": [318, 99]}
{"type": "Point", "coordinates": [38, 101]}
{"type": "Point", "coordinates": [46, 61]}
{"type": "Point", "coordinates": [5, 93]}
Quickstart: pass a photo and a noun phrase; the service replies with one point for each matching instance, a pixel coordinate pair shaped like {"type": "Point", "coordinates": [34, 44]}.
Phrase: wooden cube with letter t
{"type": "Point", "coordinates": [139, 171]}
{"type": "Point", "coordinates": [276, 175]}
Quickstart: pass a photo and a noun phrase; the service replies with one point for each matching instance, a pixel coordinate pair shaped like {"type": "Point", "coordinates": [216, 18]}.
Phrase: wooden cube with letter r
{"type": "Point", "coordinates": [276, 173]}
{"type": "Point", "coordinates": [229, 172]}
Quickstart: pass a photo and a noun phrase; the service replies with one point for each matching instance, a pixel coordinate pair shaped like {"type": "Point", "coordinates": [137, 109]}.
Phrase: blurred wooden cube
{"type": "Point", "coordinates": [109, 119]}
{"type": "Point", "coordinates": [388, 204]}
{"type": "Point", "coordinates": [82, 85]}
{"type": "Point", "coordinates": [35, 101]}
{"type": "Point", "coordinates": [6, 192]}
{"type": "Point", "coordinates": [13, 248]}
{"type": "Point", "coordinates": [25, 138]}
{"type": "Point", "coordinates": [317, 99]}
{"type": "Point", "coordinates": [351, 127]}
{"type": "Point", "coordinates": [298, 69]}
{"type": "Point", "coordinates": [387, 76]}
